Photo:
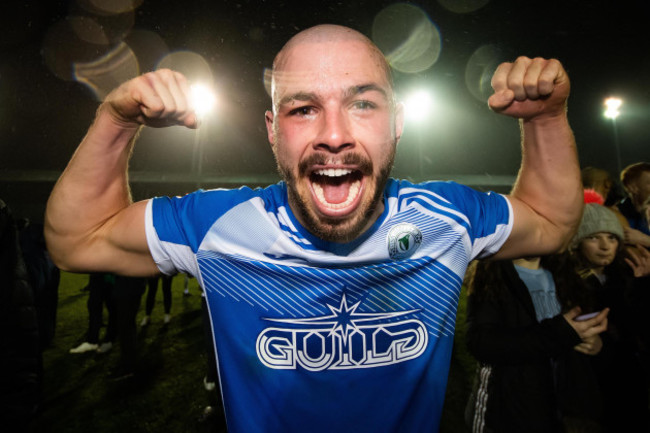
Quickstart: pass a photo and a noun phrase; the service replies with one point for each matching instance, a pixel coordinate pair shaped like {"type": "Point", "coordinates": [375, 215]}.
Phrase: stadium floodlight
{"type": "Point", "coordinates": [418, 105]}
{"type": "Point", "coordinates": [612, 107]}
{"type": "Point", "coordinates": [203, 99]}
{"type": "Point", "coordinates": [612, 111]}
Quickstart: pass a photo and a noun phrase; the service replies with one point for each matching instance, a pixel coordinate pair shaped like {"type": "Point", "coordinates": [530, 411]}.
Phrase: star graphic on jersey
{"type": "Point", "coordinates": [343, 319]}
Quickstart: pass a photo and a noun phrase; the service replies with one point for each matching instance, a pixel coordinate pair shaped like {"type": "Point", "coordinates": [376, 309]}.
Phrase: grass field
{"type": "Point", "coordinates": [167, 393]}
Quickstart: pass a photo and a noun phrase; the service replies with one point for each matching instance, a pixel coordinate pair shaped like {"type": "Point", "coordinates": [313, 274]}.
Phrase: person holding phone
{"type": "Point", "coordinates": [534, 347]}
{"type": "Point", "coordinates": [618, 281]}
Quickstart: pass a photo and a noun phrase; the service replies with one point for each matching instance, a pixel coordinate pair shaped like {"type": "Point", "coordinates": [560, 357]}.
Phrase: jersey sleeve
{"type": "Point", "coordinates": [169, 244]}
{"type": "Point", "coordinates": [491, 221]}
{"type": "Point", "coordinates": [492, 224]}
{"type": "Point", "coordinates": [176, 226]}
{"type": "Point", "coordinates": [489, 216]}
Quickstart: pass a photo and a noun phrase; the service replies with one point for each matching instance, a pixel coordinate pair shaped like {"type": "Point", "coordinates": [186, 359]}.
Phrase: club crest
{"type": "Point", "coordinates": [403, 240]}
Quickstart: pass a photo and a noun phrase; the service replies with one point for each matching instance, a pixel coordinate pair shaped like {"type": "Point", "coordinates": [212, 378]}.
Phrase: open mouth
{"type": "Point", "coordinates": [336, 189]}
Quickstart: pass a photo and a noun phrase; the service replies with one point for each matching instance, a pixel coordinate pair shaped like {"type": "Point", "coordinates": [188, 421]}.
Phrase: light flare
{"type": "Point", "coordinates": [613, 105]}
{"type": "Point", "coordinates": [203, 99]}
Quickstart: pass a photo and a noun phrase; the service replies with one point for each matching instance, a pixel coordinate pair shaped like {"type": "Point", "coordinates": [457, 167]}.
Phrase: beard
{"type": "Point", "coordinates": [340, 230]}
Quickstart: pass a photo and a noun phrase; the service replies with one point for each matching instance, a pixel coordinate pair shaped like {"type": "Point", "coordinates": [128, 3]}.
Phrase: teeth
{"type": "Point", "coordinates": [352, 194]}
{"type": "Point", "coordinates": [333, 172]}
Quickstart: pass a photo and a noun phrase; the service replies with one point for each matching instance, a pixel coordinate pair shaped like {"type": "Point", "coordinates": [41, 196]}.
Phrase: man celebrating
{"type": "Point", "coordinates": [332, 294]}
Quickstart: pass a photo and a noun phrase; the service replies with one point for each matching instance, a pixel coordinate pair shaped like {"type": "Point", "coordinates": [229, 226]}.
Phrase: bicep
{"type": "Point", "coordinates": [126, 241]}
{"type": "Point", "coordinates": [119, 245]}
{"type": "Point", "coordinates": [532, 234]}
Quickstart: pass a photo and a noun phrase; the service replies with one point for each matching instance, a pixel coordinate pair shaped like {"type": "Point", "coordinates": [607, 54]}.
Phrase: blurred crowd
{"type": "Point", "coordinates": [562, 342]}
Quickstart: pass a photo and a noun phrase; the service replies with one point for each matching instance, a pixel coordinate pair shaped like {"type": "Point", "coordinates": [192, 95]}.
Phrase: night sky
{"type": "Point", "coordinates": [45, 110]}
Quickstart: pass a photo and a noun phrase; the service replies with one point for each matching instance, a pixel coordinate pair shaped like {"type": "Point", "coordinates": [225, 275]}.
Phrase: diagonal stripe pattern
{"type": "Point", "coordinates": [299, 292]}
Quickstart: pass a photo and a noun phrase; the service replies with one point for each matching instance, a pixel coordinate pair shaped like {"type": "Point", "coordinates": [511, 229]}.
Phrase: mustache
{"type": "Point", "coordinates": [364, 165]}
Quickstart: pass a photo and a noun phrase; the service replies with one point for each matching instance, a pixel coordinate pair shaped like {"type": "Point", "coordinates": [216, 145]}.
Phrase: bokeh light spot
{"type": "Point", "coordinates": [88, 30]}
{"type": "Point", "coordinates": [407, 37]}
{"type": "Point", "coordinates": [109, 7]}
{"type": "Point", "coordinates": [148, 48]}
{"type": "Point", "coordinates": [109, 71]}
{"type": "Point", "coordinates": [189, 63]}
{"type": "Point", "coordinates": [479, 70]}
{"type": "Point", "coordinates": [62, 48]}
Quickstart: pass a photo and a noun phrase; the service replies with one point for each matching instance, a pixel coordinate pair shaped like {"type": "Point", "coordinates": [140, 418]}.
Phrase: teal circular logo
{"type": "Point", "coordinates": [403, 240]}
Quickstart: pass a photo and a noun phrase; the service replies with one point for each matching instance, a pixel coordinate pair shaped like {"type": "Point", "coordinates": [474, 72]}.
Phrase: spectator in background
{"type": "Point", "coordinates": [44, 277]}
{"type": "Point", "coordinates": [636, 181]}
{"type": "Point", "coordinates": [599, 180]}
{"type": "Point", "coordinates": [20, 357]}
{"type": "Point", "coordinates": [605, 191]}
{"type": "Point", "coordinates": [213, 411]}
{"type": "Point", "coordinates": [186, 284]}
{"type": "Point", "coordinates": [100, 294]}
{"type": "Point", "coordinates": [534, 351]}
{"type": "Point", "coordinates": [152, 284]}
{"type": "Point", "coordinates": [212, 376]}
{"type": "Point", "coordinates": [646, 212]}
{"type": "Point", "coordinates": [616, 283]}
{"type": "Point", "coordinates": [127, 296]}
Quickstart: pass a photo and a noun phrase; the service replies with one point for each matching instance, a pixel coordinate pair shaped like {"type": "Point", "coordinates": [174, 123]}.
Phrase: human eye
{"type": "Point", "coordinates": [363, 105]}
{"type": "Point", "coordinates": [304, 110]}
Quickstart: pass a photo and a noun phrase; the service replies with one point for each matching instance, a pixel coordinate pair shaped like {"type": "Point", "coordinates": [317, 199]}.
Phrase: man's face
{"type": "Point", "coordinates": [334, 130]}
{"type": "Point", "coordinates": [641, 188]}
{"type": "Point", "coordinates": [599, 249]}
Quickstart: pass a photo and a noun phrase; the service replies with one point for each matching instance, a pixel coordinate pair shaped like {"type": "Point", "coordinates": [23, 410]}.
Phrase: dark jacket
{"type": "Point", "coordinates": [20, 357]}
{"type": "Point", "coordinates": [622, 365]}
{"type": "Point", "coordinates": [636, 220]}
{"type": "Point", "coordinates": [534, 373]}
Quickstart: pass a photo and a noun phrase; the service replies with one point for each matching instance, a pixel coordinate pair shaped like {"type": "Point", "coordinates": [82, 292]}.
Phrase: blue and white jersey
{"type": "Point", "coordinates": [313, 336]}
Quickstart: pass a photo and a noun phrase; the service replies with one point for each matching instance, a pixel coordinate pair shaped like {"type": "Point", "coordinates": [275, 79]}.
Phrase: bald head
{"type": "Point", "coordinates": [331, 34]}
{"type": "Point", "coordinates": [324, 33]}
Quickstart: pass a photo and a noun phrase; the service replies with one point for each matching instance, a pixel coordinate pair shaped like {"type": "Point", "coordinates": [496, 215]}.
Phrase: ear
{"type": "Point", "coordinates": [399, 120]}
{"type": "Point", "coordinates": [268, 118]}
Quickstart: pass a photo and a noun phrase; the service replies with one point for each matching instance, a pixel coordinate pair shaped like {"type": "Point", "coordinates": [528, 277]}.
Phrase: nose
{"type": "Point", "coordinates": [334, 133]}
{"type": "Point", "coordinates": [604, 243]}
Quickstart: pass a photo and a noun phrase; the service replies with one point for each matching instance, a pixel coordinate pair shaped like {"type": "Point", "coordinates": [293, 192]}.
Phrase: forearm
{"type": "Point", "coordinates": [641, 239]}
{"type": "Point", "coordinates": [92, 189]}
{"type": "Point", "coordinates": [549, 181]}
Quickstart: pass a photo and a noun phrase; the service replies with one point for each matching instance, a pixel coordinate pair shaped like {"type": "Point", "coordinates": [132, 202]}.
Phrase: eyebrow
{"type": "Point", "coordinates": [299, 96]}
{"type": "Point", "coordinates": [370, 87]}
{"type": "Point", "coordinates": [348, 93]}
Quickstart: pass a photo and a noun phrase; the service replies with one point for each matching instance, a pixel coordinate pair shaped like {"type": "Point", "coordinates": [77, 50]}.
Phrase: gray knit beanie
{"type": "Point", "coordinates": [598, 219]}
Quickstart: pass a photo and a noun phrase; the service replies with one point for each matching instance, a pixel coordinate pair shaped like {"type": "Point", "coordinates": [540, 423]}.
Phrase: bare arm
{"type": "Point", "coordinates": [547, 198]}
{"type": "Point", "coordinates": [636, 237]}
{"type": "Point", "coordinates": [91, 223]}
